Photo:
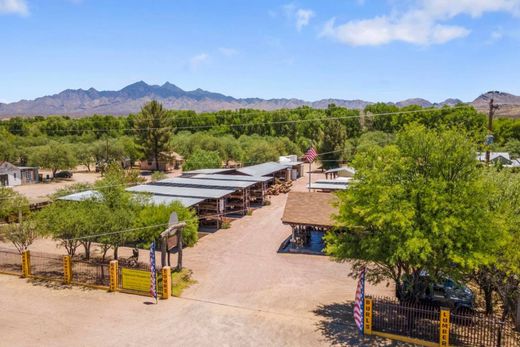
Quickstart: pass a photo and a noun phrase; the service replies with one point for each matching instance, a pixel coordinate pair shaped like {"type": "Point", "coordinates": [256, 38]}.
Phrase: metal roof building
{"type": "Point", "coordinates": [264, 169]}
{"type": "Point", "coordinates": [181, 191]}
{"type": "Point", "coordinates": [208, 171]}
{"type": "Point", "coordinates": [152, 199]}
{"type": "Point", "coordinates": [233, 178]}
{"type": "Point", "coordinates": [204, 183]}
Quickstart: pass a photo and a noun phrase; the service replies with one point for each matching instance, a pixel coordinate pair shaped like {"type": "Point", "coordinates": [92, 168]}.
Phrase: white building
{"type": "Point", "coordinates": [11, 175]}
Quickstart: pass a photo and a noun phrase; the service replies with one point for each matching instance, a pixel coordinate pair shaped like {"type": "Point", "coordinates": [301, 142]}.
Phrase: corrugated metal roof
{"type": "Point", "coordinates": [344, 169]}
{"type": "Point", "coordinates": [203, 183]}
{"type": "Point", "coordinates": [208, 171]}
{"type": "Point", "coordinates": [343, 181]}
{"type": "Point", "coordinates": [327, 186]}
{"type": "Point", "coordinates": [153, 199]}
{"type": "Point", "coordinates": [262, 169]}
{"type": "Point", "coordinates": [181, 191]}
{"type": "Point", "coordinates": [166, 200]}
{"type": "Point", "coordinates": [81, 196]}
{"type": "Point", "coordinates": [244, 178]}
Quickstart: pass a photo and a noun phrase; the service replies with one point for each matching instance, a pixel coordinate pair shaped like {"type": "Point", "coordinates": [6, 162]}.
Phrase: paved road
{"type": "Point", "coordinates": [247, 295]}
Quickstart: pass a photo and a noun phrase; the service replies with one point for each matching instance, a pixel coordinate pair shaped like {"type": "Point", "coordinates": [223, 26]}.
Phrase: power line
{"type": "Point", "coordinates": [242, 124]}
{"type": "Point", "coordinates": [149, 227]}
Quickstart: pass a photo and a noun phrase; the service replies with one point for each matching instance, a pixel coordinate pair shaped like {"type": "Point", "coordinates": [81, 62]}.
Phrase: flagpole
{"type": "Point", "coordinates": [309, 176]}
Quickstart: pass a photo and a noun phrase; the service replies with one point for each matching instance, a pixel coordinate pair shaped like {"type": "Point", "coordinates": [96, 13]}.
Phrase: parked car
{"type": "Point", "coordinates": [63, 174]}
{"type": "Point", "coordinates": [444, 292]}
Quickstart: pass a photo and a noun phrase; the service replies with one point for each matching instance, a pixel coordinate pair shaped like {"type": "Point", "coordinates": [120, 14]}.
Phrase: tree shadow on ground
{"type": "Point", "coordinates": [338, 327]}
{"type": "Point", "coordinates": [54, 284]}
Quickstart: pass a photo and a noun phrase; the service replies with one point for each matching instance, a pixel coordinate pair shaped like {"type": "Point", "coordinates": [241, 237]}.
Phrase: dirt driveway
{"type": "Point", "coordinates": [247, 294]}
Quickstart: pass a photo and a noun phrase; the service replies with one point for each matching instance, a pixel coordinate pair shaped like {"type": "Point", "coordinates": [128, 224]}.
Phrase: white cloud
{"type": "Point", "coordinates": [18, 7]}
{"type": "Point", "coordinates": [197, 60]}
{"type": "Point", "coordinates": [300, 16]}
{"type": "Point", "coordinates": [422, 24]}
{"type": "Point", "coordinates": [303, 18]}
{"type": "Point", "coordinates": [228, 52]}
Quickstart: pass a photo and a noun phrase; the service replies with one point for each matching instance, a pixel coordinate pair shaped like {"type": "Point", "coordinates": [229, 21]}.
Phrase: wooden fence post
{"type": "Point", "coordinates": [114, 267]}
{"type": "Point", "coordinates": [67, 269]}
{"type": "Point", "coordinates": [367, 319]}
{"type": "Point", "coordinates": [444, 328]}
{"type": "Point", "coordinates": [517, 322]}
{"type": "Point", "coordinates": [166, 282]}
{"type": "Point", "coordinates": [26, 264]}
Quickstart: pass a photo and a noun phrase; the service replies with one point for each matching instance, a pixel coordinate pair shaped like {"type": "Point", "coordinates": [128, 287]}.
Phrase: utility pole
{"type": "Point", "coordinates": [489, 137]}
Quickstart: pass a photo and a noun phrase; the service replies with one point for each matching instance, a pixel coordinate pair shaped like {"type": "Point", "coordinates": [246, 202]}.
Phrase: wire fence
{"type": "Point", "coordinates": [422, 322]}
{"type": "Point", "coordinates": [46, 265]}
{"type": "Point", "coordinates": [90, 273]}
{"type": "Point", "coordinates": [10, 261]}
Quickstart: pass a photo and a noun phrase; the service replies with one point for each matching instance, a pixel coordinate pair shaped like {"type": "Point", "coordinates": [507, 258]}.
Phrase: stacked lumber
{"type": "Point", "coordinates": [279, 188]}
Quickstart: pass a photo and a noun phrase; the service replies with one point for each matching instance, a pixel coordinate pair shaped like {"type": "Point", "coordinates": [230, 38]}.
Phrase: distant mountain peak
{"type": "Point", "coordinates": [130, 99]}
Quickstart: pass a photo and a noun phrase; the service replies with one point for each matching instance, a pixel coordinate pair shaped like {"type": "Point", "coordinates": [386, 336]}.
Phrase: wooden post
{"type": "Point", "coordinates": [367, 319]}
{"type": "Point", "coordinates": [166, 282]}
{"type": "Point", "coordinates": [444, 328]}
{"type": "Point", "coordinates": [179, 249]}
{"type": "Point", "coordinates": [67, 269]}
{"type": "Point", "coordinates": [26, 264]}
{"type": "Point", "coordinates": [164, 246]}
{"type": "Point", "coordinates": [517, 323]}
{"type": "Point", "coordinates": [114, 268]}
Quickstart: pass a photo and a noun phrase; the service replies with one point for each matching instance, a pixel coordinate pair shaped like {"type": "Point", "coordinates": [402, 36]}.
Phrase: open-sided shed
{"type": "Point", "coordinates": [257, 191]}
{"type": "Point", "coordinates": [211, 210]}
{"type": "Point", "coordinates": [308, 213]}
{"type": "Point", "coordinates": [236, 202]}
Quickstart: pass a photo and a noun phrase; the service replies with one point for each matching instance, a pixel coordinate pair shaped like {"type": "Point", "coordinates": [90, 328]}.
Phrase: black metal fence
{"type": "Point", "coordinates": [46, 265]}
{"type": "Point", "coordinates": [481, 330]}
{"type": "Point", "coordinates": [422, 322]}
{"type": "Point", "coordinates": [10, 261]}
{"type": "Point", "coordinates": [84, 272]}
{"type": "Point", "coordinates": [405, 319]}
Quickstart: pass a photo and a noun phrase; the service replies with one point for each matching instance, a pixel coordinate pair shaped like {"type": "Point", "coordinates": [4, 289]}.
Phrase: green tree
{"type": "Point", "coordinates": [153, 130]}
{"type": "Point", "coordinates": [201, 159]}
{"type": "Point", "coordinates": [85, 155]}
{"type": "Point", "coordinates": [333, 143]}
{"type": "Point", "coordinates": [502, 275]}
{"type": "Point", "coordinates": [12, 204]}
{"type": "Point", "coordinates": [55, 156]}
{"type": "Point", "coordinates": [21, 234]}
{"type": "Point", "coordinates": [417, 205]}
{"type": "Point", "coordinates": [159, 215]}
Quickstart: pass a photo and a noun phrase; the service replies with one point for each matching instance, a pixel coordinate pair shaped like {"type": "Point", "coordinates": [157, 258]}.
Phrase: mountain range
{"type": "Point", "coordinates": [81, 102]}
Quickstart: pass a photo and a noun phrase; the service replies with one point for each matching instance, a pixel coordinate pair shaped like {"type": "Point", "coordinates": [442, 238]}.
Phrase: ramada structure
{"type": "Point", "coordinates": [213, 193]}
{"type": "Point", "coordinates": [310, 216]}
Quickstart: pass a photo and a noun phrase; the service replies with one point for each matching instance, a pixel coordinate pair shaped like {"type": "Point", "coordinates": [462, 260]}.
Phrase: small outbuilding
{"type": "Point", "coordinates": [310, 216]}
{"type": "Point", "coordinates": [168, 161]}
{"type": "Point", "coordinates": [12, 175]}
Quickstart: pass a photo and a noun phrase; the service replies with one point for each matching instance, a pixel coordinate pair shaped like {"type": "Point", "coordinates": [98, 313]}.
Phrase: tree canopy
{"type": "Point", "coordinates": [418, 204]}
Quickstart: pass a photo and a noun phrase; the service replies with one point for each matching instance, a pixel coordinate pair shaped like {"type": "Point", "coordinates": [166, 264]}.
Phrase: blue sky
{"type": "Point", "coordinates": [379, 50]}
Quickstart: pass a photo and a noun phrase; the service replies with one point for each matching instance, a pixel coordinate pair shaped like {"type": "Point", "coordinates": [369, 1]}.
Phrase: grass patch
{"type": "Point", "coordinates": [181, 280]}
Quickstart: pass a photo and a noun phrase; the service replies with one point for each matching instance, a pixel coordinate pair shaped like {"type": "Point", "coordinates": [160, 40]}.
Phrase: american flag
{"type": "Point", "coordinates": [311, 154]}
{"type": "Point", "coordinates": [359, 303]}
{"type": "Point", "coordinates": [153, 279]}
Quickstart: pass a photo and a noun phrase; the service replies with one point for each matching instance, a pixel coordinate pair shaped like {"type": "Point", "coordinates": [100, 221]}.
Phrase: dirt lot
{"type": "Point", "coordinates": [247, 294]}
{"type": "Point", "coordinates": [40, 190]}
